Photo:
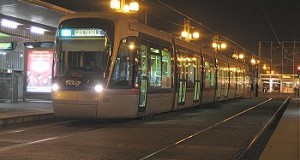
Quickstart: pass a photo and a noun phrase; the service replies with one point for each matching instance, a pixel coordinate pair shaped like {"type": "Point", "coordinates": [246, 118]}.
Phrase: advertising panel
{"type": "Point", "coordinates": [39, 70]}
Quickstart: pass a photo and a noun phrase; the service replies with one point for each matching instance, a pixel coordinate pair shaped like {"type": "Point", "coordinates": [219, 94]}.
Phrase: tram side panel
{"type": "Point", "coordinates": [188, 74]}
{"type": "Point", "coordinates": [118, 103]}
{"type": "Point", "coordinates": [156, 64]}
{"type": "Point", "coordinates": [247, 82]}
{"type": "Point", "coordinates": [222, 86]}
{"type": "Point", "coordinates": [209, 79]}
{"type": "Point", "coordinates": [232, 81]}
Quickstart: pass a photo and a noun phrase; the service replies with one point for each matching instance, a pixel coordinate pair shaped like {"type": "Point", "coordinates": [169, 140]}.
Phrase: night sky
{"type": "Point", "coordinates": [243, 21]}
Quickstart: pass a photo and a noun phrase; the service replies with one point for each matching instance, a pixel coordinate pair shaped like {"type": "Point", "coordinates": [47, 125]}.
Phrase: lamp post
{"type": "Point", "coordinates": [186, 33]}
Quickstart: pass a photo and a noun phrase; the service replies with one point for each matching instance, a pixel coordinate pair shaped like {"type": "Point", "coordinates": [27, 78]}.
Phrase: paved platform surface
{"type": "Point", "coordinates": [284, 142]}
{"type": "Point", "coordinates": [29, 110]}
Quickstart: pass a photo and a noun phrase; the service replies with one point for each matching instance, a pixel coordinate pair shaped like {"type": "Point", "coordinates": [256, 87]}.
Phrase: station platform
{"type": "Point", "coordinates": [29, 110]}
{"type": "Point", "coordinates": [284, 142]}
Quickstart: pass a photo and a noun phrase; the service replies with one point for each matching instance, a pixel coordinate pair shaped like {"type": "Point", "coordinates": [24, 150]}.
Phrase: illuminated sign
{"type": "Point", "coordinates": [81, 33]}
{"type": "Point", "coordinates": [39, 70]}
{"type": "Point", "coordinates": [6, 46]}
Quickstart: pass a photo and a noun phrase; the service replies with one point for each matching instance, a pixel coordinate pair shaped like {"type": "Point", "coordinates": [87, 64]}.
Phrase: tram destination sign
{"type": "Point", "coordinates": [81, 33]}
{"type": "Point", "coordinates": [6, 46]}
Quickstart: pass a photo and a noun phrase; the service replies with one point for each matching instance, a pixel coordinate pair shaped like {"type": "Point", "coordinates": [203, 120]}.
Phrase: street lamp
{"type": "Point", "coordinates": [217, 44]}
{"type": "Point", "coordinates": [264, 66]}
{"type": "Point", "coordinates": [238, 56]}
{"type": "Point", "coordinates": [255, 63]}
{"type": "Point", "coordinates": [186, 34]}
{"type": "Point", "coordinates": [241, 56]}
{"type": "Point", "coordinates": [121, 6]}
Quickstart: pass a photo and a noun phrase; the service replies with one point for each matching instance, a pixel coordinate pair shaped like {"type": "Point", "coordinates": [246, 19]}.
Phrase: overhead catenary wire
{"type": "Point", "coordinates": [206, 27]}
{"type": "Point", "coordinates": [160, 17]}
{"type": "Point", "coordinates": [270, 25]}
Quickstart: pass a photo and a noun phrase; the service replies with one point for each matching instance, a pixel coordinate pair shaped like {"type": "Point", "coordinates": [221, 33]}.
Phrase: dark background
{"type": "Point", "coordinates": [243, 21]}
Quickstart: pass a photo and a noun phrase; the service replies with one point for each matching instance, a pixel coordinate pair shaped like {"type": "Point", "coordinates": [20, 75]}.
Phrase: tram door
{"type": "Point", "coordinates": [182, 80]}
{"type": "Point", "coordinates": [197, 81]}
{"type": "Point", "coordinates": [143, 67]}
{"type": "Point", "coordinates": [218, 82]}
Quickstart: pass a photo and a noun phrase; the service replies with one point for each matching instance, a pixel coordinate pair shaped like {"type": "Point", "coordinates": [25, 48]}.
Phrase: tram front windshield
{"type": "Point", "coordinates": [82, 52]}
{"type": "Point", "coordinates": [83, 56]}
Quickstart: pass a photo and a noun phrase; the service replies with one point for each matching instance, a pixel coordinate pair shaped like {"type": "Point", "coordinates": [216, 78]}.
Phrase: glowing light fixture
{"type": "Point", "coordinates": [126, 8]}
{"type": "Point", "coordinates": [3, 53]}
{"type": "Point", "coordinates": [223, 46]}
{"type": "Point", "coordinates": [37, 30]}
{"type": "Point", "coordinates": [214, 45]}
{"type": "Point", "coordinates": [29, 46]}
{"type": "Point", "coordinates": [98, 88]}
{"type": "Point", "coordinates": [131, 46]}
{"type": "Point", "coordinates": [241, 56]}
{"type": "Point", "coordinates": [115, 4]}
{"type": "Point", "coordinates": [196, 35]}
{"type": "Point", "coordinates": [121, 6]}
{"type": "Point", "coordinates": [184, 34]}
{"type": "Point", "coordinates": [55, 87]}
{"type": "Point", "coordinates": [134, 6]}
{"type": "Point", "coordinates": [219, 45]}
{"type": "Point", "coordinates": [9, 24]}
{"type": "Point", "coordinates": [264, 66]}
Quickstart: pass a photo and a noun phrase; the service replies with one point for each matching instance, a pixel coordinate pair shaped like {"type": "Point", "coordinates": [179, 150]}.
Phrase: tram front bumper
{"type": "Point", "coordinates": [75, 104]}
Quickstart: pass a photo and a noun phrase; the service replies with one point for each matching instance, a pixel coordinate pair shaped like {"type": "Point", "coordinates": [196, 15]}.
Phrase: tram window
{"type": "Point", "coordinates": [76, 55]}
{"type": "Point", "coordinates": [232, 78]}
{"type": "Point", "coordinates": [121, 77]}
{"type": "Point", "coordinates": [155, 67]}
{"type": "Point", "coordinates": [144, 63]}
{"type": "Point", "coordinates": [212, 77]}
{"type": "Point", "coordinates": [190, 74]}
{"type": "Point", "coordinates": [207, 75]}
{"type": "Point", "coordinates": [166, 69]}
{"type": "Point", "coordinates": [197, 70]}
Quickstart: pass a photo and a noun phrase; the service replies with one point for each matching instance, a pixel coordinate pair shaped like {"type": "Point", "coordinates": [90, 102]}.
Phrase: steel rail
{"type": "Point", "coordinates": [260, 132]}
{"type": "Point", "coordinates": [26, 143]}
{"type": "Point", "coordinates": [201, 131]}
{"type": "Point", "coordinates": [12, 131]}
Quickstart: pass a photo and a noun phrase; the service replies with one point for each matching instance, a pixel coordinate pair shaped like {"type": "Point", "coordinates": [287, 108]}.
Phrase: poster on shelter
{"type": "Point", "coordinates": [39, 70]}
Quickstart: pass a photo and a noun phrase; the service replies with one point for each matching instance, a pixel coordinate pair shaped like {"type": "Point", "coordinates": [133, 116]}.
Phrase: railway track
{"type": "Point", "coordinates": [232, 132]}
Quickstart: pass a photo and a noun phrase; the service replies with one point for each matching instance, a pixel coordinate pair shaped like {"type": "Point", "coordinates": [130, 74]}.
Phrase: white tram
{"type": "Point", "coordinates": [108, 66]}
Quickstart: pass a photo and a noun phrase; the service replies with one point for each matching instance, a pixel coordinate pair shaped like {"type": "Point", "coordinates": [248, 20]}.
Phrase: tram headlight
{"type": "Point", "coordinates": [98, 88]}
{"type": "Point", "coordinates": [55, 87]}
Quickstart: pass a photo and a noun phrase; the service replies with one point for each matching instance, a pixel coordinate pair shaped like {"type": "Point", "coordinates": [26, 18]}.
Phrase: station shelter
{"type": "Point", "coordinates": [27, 31]}
{"type": "Point", "coordinates": [281, 83]}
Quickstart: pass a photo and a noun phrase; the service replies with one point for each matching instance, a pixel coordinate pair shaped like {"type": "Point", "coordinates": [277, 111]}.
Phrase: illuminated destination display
{"type": "Point", "coordinates": [6, 46]}
{"type": "Point", "coordinates": [81, 33]}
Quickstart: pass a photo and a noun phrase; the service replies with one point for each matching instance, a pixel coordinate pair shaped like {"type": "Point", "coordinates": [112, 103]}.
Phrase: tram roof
{"type": "Point", "coordinates": [111, 15]}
